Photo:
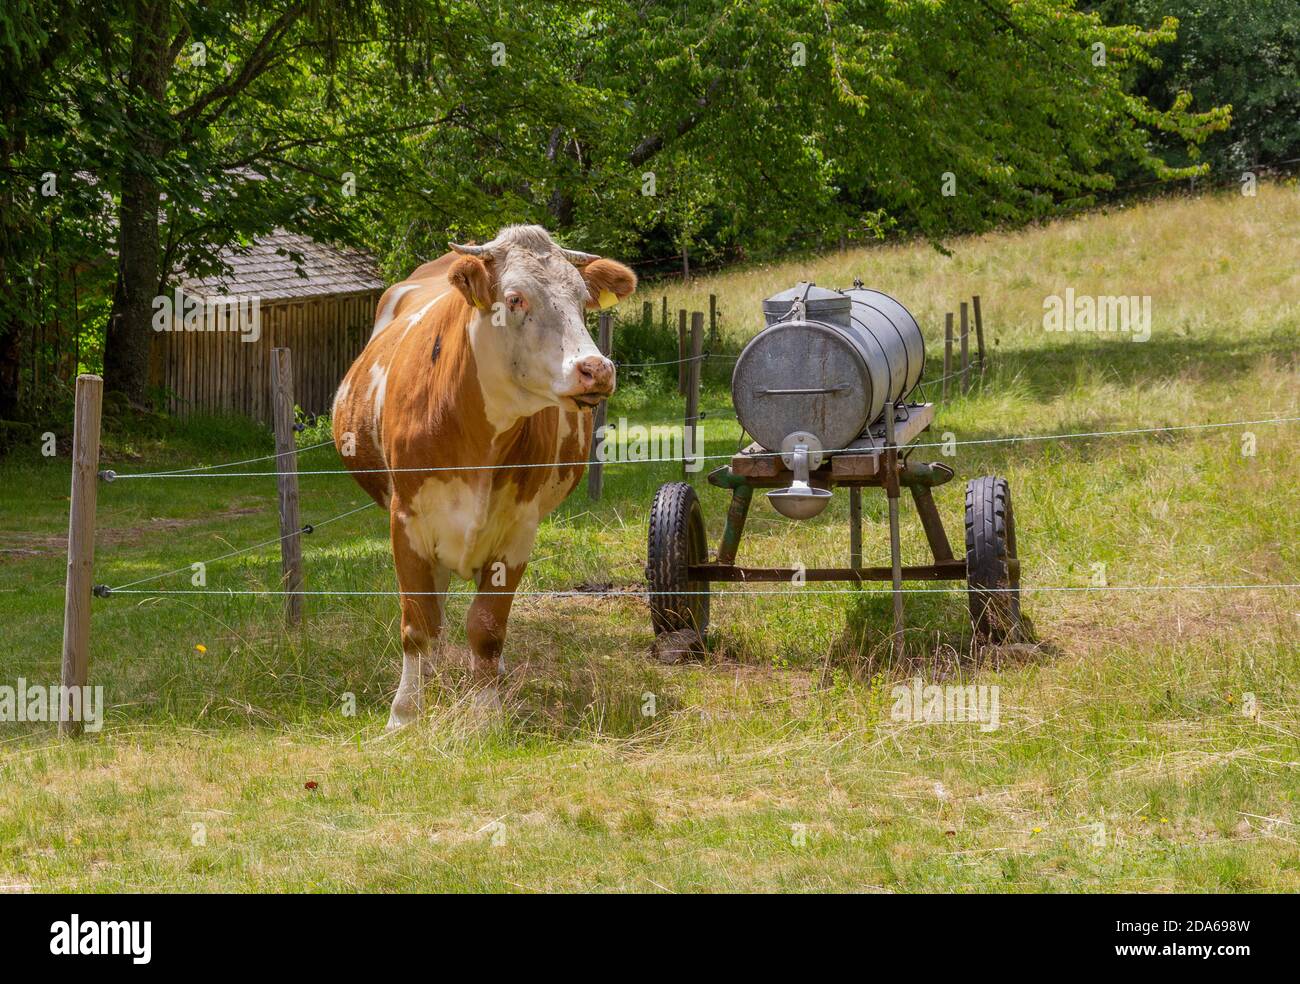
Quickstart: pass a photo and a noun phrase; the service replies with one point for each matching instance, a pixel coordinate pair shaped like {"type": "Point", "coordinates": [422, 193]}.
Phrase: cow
{"type": "Point", "coordinates": [468, 416]}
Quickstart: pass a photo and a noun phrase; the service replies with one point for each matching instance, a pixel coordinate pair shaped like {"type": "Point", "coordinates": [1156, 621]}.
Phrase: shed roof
{"type": "Point", "coordinates": [289, 265]}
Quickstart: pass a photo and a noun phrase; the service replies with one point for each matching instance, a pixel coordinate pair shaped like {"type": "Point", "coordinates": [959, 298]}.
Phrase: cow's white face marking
{"type": "Point", "coordinates": [528, 344]}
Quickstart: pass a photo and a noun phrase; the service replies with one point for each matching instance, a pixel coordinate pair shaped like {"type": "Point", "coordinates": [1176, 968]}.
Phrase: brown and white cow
{"type": "Point", "coordinates": [477, 361]}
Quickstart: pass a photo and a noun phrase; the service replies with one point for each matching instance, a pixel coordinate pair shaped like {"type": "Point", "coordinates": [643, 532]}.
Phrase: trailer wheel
{"type": "Point", "coordinates": [677, 541]}
{"type": "Point", "coordinates": [992, 581]}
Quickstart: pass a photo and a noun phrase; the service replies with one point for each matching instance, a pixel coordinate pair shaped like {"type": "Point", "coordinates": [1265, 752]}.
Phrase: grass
{"type": "Point", "coordinates": [1123, 760]}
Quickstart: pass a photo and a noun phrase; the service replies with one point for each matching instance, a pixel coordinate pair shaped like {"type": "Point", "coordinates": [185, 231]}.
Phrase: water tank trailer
{"type": "Point", "coordinates": [823, 389]}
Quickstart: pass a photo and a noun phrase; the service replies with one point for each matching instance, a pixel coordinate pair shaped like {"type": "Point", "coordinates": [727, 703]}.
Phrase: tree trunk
{"type": "Point", "coordinates": [12, 328]}
{"type": "Point", "coordinates": [126, 347]}
{"type": "Point", "coordinates": [127, 341]}
{"type": "Point", "coordinates": [11, 354]}
{"type": "Point", "coordinates": [561, 204]}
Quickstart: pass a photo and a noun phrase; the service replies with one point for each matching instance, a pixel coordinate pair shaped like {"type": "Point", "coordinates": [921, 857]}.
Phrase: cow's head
{"type": "Point", "coordinates": [529, 335]}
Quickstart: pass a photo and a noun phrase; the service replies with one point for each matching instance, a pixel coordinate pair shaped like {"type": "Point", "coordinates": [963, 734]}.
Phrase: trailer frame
{"type": "Point", "coordinates": [880, 458]}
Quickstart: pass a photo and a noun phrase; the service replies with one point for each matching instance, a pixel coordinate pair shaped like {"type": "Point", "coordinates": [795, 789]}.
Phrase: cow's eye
{"type": "Point", "coordinates": [515, 301]}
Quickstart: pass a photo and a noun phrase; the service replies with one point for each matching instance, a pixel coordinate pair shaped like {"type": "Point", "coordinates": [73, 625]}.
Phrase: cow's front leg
{"type": "Point", "coordinates": [486, 625]}
{"type": "Point", "coordinates": [422, 584]}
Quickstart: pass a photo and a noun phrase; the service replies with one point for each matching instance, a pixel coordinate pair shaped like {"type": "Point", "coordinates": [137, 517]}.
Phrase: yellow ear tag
{"type": "Point", "coordinates": [481, 305]}
{"type": "Point", "coordinates": [608, 298]}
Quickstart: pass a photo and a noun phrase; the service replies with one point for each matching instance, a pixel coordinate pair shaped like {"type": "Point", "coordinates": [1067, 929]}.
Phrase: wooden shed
{"type": "Point", "coordinates": [213, 336]}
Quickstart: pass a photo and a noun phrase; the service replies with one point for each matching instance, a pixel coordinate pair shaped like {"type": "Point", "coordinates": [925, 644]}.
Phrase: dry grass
{"type": "Point", "coordinates": [1191, 254]}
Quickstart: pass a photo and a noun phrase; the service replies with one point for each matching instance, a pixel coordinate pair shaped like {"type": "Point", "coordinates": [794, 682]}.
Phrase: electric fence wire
{"type": "Point", "coordinates": [646, 593]}
{"type": "Point", "coordinates": [1165, 429]}
{"type": "Point", "coordinates": [243, 550]}
{"type": "Point", "coordinates": [248, 461]}
{"type": "Point", "coordinates": [132, 586]}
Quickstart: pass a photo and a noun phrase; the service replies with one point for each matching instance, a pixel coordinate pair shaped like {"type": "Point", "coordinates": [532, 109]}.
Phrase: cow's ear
{"type": "Point", "coordinates": [470, 276]}
{"type": "Point", "coordinates": [608, 282]}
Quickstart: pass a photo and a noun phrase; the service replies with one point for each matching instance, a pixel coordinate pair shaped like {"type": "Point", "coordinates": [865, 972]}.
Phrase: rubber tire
{"type": "Point", "coordinates": [676, 541]}
{"type": "Point", "coordinates": [990, 543]}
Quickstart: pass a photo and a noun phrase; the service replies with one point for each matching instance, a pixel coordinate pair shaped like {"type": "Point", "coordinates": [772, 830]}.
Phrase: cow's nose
{"type": "Point", "coordinates": [596, 375]}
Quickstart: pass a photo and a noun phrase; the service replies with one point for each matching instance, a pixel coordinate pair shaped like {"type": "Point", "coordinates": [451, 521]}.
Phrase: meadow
{"type": "Point", "coordinates": [1149, 740]}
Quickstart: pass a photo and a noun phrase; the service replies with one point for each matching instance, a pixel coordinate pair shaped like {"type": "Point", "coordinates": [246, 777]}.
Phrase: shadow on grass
{"type": "Point", "coordinates": [580, 670]}
{"type": "Point", "coordinates": [1050, 372]}
{"type": "Point", "coordinates": [575, 674]}
{"type": "Point", "coordinates": [938, 642]}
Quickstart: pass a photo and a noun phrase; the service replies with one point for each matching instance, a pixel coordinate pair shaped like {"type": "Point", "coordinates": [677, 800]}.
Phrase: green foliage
{"type": "Point", "coordinates": [762, 125]}
{"type": "Point", "coordinates": [645, 352]}
{"type": "Point", "coordinates": [315, 430]}
{"type": "Point", "coordinates": [1242, 53]}
{"type": "Point", "coordinates": [711, 129]}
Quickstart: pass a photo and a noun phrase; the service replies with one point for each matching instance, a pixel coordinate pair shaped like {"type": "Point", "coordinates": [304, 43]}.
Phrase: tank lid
{"type": "Point", "coordinates": [819, 304]}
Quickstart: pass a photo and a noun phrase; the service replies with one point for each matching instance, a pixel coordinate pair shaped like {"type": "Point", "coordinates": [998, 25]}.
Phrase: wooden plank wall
{"type": "Point", "coordinates": [218, 372]}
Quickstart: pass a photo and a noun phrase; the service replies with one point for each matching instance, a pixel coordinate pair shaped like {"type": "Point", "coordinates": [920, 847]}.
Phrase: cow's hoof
{"type": "Point", "coordinates": [485, 709]}
{"type": "Point", "coordinates": [488, 699]}
{"type": "Point", "coordinates": [399, 719]}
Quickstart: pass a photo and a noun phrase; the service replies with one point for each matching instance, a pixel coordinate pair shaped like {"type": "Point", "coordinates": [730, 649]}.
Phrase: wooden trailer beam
{"type": "Point", "coordinates": [932, 523]}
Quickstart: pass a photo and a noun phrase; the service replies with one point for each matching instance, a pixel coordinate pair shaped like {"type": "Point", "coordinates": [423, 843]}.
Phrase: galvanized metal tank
{"type": "Point", "coordinates": [826, 364]}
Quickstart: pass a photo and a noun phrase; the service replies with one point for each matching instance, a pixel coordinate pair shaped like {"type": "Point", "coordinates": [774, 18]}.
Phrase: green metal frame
{"type": "Point", "coordinates": [918, 477]}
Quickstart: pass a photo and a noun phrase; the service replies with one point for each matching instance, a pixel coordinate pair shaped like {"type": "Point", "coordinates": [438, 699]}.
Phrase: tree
{"type": "Point", "coordinates": [629, 125]}
{"type": "Point", "coordinates": [166, 144]}
{"type": "Point", "coordinates": [1245, 53]}
{"type": "Point", "coordinates": [239, 117]}
{"type": "Point", "coordinates": [33, 45]}
{"type": "Point", "coordinates": [787, 121]}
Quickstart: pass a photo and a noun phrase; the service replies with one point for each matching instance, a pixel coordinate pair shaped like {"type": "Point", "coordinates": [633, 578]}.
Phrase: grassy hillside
{"type": "Point", "coordinates": [1124, 760]}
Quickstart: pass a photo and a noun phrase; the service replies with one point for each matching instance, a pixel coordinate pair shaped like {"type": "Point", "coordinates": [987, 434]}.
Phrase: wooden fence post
{"type": "Point", "coordinates": [979, 331]}
{"type": "Point", "coordinates": [895, 547]}
{"type": "Point", "coordinates": [81, 550]}
{"type": "Point", "coordinates": [664, 314]}
{"type": "Point", "coordinates": [947, 353]}
{"type": "Point", "coordinates": [689, 444]}
{"type": "Point", "coordinates": [965, 350]}
{"type": "Point", "coordinates": [713, 322]}
{"type": "Point", "coordinates": [855, 526]}
{"type": "Point", "coordinates": [647, 316]}
{"type": "Point", "coordinates": [682, 372]}
{"type": "Point", "coordinates": [595, 469]}
{"type": "Point", "coordinates": [287, 482]}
